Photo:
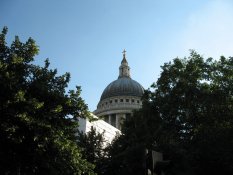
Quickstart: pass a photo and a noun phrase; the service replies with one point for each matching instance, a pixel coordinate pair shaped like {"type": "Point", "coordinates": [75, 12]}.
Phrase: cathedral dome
{"type": "Point", "coordinates": [123, 86]}
{"type": "Point", "coordinates": [120, 98]}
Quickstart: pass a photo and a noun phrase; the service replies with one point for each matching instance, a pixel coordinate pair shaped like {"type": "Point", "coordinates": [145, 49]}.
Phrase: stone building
{"type": "Point", "coordinates": [109, 132]}
{"type": "Point", "coordinates": [120, 97]}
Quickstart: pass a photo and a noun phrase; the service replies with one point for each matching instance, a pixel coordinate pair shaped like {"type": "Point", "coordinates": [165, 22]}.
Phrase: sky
{"type": "Point", "coordinates": [87, 37]}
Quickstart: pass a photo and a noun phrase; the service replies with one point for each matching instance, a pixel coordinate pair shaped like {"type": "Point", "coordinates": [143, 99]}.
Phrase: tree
{"type": "Point", "coordinates": [127, 153]}
{"type": "Point", "coordinates": [38, 119]}
{"type": "Point", "coordinates": [187, 115]}
{"type": "Point", "coordinates": [194, 98]}
{"type": "Point", "coordinates": [93, 148]}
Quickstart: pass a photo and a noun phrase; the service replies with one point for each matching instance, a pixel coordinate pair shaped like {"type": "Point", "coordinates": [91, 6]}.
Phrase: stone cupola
{"type": "Point", "coordinates": [124, 69]}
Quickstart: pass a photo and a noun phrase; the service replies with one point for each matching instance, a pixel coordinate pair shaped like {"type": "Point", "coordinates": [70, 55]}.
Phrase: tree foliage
{"type": "Point", "coordinates": [195, 97]}
{"type": "Point", "coordinates": [38, 119]}
{"type": "Point", "coordinates": [93, 148]}
{"type": "Point", "coordinates": [187, 115]}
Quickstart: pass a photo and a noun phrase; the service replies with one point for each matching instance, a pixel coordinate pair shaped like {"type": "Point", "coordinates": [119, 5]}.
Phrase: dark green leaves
{"type": "Point", "coordinates": [187, 115]}
{"type": "Point", "coordinates": [38, 119]}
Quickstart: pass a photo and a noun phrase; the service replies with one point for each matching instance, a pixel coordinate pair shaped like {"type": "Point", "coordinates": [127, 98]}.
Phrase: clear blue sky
{"type": "Point", "coordinates": [86, 37]}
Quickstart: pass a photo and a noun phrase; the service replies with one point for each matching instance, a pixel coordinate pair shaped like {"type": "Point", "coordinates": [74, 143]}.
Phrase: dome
{"type": "Point", "coordinates": [120, 98]}
{"type": "Point", "coordinates": [123, 86]}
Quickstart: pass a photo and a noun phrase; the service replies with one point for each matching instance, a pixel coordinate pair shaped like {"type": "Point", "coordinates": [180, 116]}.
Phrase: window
{"type": "Point", "coordinates": [137, 101]}
{"type": "Point", "coordinates": [121, 100]}
{"type": "Point", "coordinates": [116, 100]}
{"type": "Point", "coordinates": [110, 101]}
{"type": "Point", "coordinates": [132, 100]}
{"type": "Point", "coordinates": [127, 100]}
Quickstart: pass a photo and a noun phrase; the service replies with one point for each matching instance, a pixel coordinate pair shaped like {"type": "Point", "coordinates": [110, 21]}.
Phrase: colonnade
{"type": "Point", "coordinates": [116, 119]}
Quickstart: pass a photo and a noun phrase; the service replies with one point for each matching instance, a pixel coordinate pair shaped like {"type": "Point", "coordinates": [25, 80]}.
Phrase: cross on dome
{"type": "Point", "coordinates": [124, 55]}
{"type": "Point", "coordinates": [124, 51]}
{"type": "Point", "coordinates": [124, 70]}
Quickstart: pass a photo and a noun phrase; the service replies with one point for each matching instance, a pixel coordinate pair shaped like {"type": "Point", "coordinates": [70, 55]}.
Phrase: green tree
{"type": "Point", "coordinates": [194, 98]}
{"type": "Point", "coordinates": [38, 119]}
{"type": "Point", "coordinates": [187, 115]}
{"type": "Point", "coordinates": [92, 146]}
{"type": "Point", "coordinates": [126, 155]}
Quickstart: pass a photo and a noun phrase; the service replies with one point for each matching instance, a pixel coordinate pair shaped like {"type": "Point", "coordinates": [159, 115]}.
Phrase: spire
{"type": "Point", "coordinates": [124, 69]}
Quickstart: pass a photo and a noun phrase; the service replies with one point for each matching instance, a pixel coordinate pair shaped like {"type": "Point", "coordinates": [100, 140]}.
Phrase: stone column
{"type": "Point", "coordinates": [109, 119]}
{"type": "Point", "coordinates": [117, 121]}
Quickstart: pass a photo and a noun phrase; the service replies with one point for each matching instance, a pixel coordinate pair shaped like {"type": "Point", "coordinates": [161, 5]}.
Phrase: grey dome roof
{"type": "Point", "coordinates": [123, 86]}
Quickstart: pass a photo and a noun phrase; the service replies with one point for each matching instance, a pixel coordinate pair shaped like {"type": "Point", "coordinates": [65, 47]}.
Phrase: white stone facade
{"type": "Point", "coordinates": [100, 126]}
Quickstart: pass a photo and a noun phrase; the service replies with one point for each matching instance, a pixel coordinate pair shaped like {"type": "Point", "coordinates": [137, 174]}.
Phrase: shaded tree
{"type": "Point", "coordinates": [194, 99]}
{"type": "Point", "coordinates": [187, 115]}
{"type": "Point", "coordinates": [126, 155]}
{"type": "Point", "coordinates": [38, 119]}
{"type": "Point", "coordinates": [93, 148]}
